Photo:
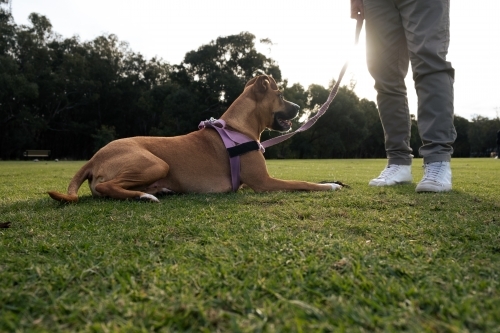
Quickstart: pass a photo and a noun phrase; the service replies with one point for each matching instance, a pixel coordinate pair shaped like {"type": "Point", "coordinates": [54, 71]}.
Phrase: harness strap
{"type": "Point", "coordinates": [243, 148]}
{"type": "Point", "coordinates": [236, 144]}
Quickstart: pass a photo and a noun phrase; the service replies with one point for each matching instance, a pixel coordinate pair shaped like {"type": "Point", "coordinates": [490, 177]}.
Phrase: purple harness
{"type": "Point", "coordinates": [236, 144]}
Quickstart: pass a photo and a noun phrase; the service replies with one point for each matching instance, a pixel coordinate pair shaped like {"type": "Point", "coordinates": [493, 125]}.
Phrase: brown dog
{"type": "Point", "coordinates": [198, 162]}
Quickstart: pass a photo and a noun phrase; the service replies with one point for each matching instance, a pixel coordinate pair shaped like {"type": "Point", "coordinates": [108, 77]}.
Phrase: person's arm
{"type": "Point", "coordinates": [357, 10]}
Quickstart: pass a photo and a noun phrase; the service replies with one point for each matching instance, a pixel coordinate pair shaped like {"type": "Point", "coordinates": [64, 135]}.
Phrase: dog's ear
{"type": "Point", "coordinates": [262, 84]}
{"type": "Point", "coordinates": [252, 81]}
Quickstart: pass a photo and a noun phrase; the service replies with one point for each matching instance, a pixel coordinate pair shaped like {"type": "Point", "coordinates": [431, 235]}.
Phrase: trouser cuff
{"type": "Point", "coordinates": [437, 158]}
{"type": "Point", "coordinates": [399, 161]}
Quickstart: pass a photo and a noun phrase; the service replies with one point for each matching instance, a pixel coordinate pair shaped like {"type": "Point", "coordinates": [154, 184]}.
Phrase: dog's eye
{"type": "Point", "coordinates": [281, 96]}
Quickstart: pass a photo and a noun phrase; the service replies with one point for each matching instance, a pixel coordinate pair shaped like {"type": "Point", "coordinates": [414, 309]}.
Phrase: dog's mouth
{"type": "Point", "coordinates": [283, 124]}
{"type": "Point", "coordinates": [283, 119]}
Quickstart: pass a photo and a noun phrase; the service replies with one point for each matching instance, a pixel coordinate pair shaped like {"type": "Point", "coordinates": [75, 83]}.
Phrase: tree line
{"type": "Point", "coordinates": [73, 97]}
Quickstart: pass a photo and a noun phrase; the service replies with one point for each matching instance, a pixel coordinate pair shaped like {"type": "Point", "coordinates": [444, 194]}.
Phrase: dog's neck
{"type": "Point", "coordinates": [246, 124]}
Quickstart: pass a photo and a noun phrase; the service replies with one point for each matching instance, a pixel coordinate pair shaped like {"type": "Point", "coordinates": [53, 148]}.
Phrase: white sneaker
{"type": "Point", "coordinates": [393, 174]}
{"type": "Point", "coordinates": [437, 178]}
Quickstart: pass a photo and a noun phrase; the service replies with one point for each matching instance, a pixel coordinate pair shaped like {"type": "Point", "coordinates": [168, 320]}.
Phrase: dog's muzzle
{"type": "Point", "coordinates": [282, 119]}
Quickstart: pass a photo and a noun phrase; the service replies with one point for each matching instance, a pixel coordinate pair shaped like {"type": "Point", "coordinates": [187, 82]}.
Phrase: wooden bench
{"type": "Point", "coordinates": [36, 153]}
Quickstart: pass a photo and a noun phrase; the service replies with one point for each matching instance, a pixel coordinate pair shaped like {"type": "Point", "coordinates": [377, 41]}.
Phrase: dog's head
{"type": "Point", "coordinates": [274, 111]}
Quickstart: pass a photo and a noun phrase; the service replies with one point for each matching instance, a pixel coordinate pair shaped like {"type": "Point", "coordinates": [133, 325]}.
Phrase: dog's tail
{"type": "Point", "coordinates": [72, 195]}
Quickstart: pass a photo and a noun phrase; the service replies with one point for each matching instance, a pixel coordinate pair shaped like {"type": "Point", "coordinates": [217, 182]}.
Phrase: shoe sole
{"type": "Point", "coordinates": [432, 189]}
{"type": "Point", "coordinates": [395, 184]}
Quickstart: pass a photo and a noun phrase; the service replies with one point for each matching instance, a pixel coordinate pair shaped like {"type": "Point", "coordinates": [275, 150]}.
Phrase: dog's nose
{"type": "Point", "coordinates": [295, 106]}
{"type": "Point", "coordinates": [294, 110]}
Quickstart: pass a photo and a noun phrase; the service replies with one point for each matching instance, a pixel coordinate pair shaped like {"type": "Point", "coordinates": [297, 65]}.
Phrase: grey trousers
{"type": "Point", "coordinates": [397, 32]}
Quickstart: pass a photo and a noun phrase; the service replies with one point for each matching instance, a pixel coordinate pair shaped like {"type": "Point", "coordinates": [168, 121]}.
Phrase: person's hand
{"type": "Point", "coordinates": [357, 9]}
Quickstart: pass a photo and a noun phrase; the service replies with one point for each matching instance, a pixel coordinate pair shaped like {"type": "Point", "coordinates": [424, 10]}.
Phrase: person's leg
{"type": "Point", "coordinates": [388, 62]}
{"type": "Point", "coordinates": [427, 28]}
{"type": "Point", "coordinates": [426, 24]}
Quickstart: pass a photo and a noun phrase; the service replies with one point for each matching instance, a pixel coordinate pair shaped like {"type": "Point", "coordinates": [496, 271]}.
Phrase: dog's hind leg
{"type": "Point", "coordinates": [124, 185]}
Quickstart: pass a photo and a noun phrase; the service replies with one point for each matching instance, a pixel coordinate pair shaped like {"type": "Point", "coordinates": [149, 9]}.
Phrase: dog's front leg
{"type": "Point", "coordinates": [254, 174]}
{"type": "Point", "coordinates": [272, 184]}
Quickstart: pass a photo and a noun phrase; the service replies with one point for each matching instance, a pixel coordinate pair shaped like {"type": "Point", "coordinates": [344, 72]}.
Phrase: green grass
{"type": "Point", "coordinates": [360, 260]}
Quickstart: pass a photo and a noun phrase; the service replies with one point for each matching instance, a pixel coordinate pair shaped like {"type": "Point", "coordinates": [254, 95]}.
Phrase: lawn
{"type": "Point", "coordinates": [359, 260]}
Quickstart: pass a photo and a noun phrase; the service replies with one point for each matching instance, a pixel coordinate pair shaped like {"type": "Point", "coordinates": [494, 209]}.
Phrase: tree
{"type": "Point", "coordinates": [373, 145]}
{"type": "Point", "coordinates": [73, 97]}
{"type": "Point", "coordinates": [340, 132]}
{"type": "Point", "coordinates": [23, 61]}
{"type": "Point", "coordinates": [223, 66]}
{"type": "Point", "coordinates": [461, 147]}
{"type": "Point", "coordinates": [482, 135]}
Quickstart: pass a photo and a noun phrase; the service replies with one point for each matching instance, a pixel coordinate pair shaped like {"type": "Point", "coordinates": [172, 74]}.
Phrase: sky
{"type": "Point", "coordinates": [311, 39]}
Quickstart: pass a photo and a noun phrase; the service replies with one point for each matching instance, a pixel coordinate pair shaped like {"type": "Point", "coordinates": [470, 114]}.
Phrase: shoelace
{"type": "Point", "coordinates": [432, 171]}
{"type": "Point", "coordinates": [389, 171]}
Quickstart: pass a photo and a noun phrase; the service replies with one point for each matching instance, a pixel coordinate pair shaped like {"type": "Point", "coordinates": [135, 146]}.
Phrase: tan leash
{"type": "Point", "coordinates": [324, 107]}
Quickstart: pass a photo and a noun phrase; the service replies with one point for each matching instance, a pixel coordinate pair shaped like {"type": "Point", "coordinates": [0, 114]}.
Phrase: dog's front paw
{"type": "Point", "coordinates": [335, 185]}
